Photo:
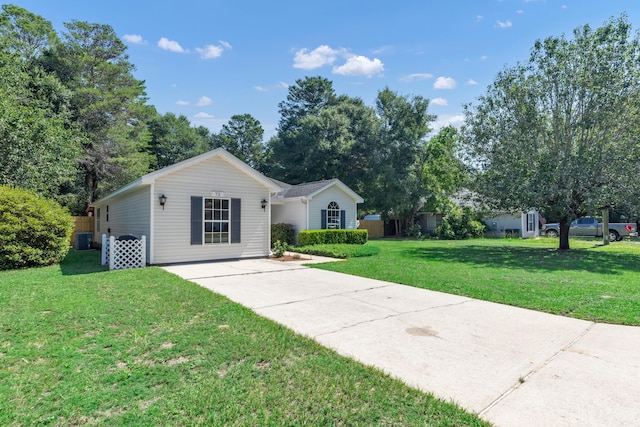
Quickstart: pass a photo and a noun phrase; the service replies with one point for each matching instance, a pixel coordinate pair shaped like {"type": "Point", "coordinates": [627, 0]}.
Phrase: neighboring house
{"type": "Point", "coordinates": [499, 224]}
{"type": "Point", "coordinates": [316, 205]}
{"type": "Point", "coordinates": [523, 224]}
{"type": "Point", "coordinates": [210, 207]}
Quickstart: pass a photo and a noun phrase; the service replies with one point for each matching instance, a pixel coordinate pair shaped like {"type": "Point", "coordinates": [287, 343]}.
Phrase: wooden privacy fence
{"type": "Point", "coordinates": [375, 227]}
{"type": "Point", "coordinates": [82, 224]}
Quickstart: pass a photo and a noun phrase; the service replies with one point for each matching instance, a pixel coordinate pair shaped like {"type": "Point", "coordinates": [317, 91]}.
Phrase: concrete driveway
{"type": "Point", "coordinates": [513, 367]}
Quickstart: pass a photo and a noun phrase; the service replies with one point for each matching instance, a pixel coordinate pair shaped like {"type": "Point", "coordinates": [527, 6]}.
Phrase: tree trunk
{"type": "Point", "coordinates": [564, 234]}
{"type": "Point", "coordinates": [605, 226]}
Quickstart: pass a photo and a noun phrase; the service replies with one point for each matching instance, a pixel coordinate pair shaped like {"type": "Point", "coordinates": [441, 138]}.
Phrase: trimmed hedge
{"type": "Point", "coordinates": [320, 237]}
{"type": "Point", "coordinates": [34, 231]}
{"type": "Point", "coordinates": [282, 232]}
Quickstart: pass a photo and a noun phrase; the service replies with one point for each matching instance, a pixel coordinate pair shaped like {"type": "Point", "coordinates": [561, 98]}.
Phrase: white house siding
{"type": "Point", "coordinates": [500, 223]}
{"type": "Point", "coordinates": [172, 226]}
{"type": "Point", "coordinates": [290, 212]}
{"type": "Point", "coordinates": [127, 214]}
{"type": "Point", "coordinates": [321, 200]}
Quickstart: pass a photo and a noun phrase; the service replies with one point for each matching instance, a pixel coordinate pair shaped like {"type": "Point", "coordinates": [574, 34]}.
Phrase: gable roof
{"type": "Point", "coordinates": [150, 178]}
{"type": "Point", "coordinates": [309, 189]}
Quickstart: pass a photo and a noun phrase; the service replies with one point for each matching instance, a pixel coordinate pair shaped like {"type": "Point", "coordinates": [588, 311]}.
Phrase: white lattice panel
{"type": "Point", "coordinates": [126, 253]}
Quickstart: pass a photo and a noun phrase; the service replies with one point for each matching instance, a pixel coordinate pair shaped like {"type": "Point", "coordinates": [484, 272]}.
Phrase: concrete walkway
{"type": "Point", "coordinates": [513, 367]}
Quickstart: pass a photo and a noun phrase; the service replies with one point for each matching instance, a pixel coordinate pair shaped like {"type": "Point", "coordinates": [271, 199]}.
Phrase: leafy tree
{"type": "Point", "coordinates": [444, 172]}
{"type": "Point", "coordinates": [173, 139]}
{"type": "Point", "coordinates": [108, 105]}
{"type": "Point", "coordinates": [38, 149]}
{"type": "Point", "coordinates": [290, 149]}
{"type": "Point", "coordinates": [405, 124]}
{"type": "Point", "coordinates": [242, 137]}
{"type": "Point", "coordinates": [560, 132]}
{"type": "Point", "coordinates": [24, 33]}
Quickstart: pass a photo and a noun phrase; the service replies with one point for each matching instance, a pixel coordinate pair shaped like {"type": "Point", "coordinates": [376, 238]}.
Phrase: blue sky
{"type": "Point", "coordinates": [210, 60]}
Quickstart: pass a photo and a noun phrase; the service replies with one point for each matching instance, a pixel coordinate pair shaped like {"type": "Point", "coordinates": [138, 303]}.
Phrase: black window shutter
{"type": "Point", "coordinates": [196, 220]}
{"type": "Point", "coordinates": [323, 219]}
{"type": "Point", "coordinates": [235, 221]}
{"type": "Point", "coordinates": [342, 219]}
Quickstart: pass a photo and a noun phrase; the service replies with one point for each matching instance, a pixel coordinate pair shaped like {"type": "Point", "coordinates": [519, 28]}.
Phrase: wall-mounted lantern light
{"type": "Point", "coordinates": [263, 203]}
{"type": "Point", "coordinates": [163, 200]}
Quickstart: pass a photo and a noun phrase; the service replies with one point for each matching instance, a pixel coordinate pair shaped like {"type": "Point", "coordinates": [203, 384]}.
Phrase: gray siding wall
{"type": "Point", "coordinates": [321, 201]}
{"type": "Point", "coordinates": [128, 214]}
{"type": "Point", "coordinates": [172, 227]}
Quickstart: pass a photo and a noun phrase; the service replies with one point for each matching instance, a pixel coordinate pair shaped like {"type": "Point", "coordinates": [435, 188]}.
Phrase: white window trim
{"type": "Point", "coordinates": [333, 212]}
{"type": "Point", "coordinates": [205, 221]}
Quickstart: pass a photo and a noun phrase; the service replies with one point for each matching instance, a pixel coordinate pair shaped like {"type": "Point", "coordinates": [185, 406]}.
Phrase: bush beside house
{"type": "Point", "coordinates": [34, 231]}
{"type": "Point", "coordinates": [319, 237]}
{"type": "Point", "coordinates": [282, 232]}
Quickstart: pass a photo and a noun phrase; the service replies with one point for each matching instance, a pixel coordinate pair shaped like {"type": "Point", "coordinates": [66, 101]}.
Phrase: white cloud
{"type": "Point", "coordinates": [564, 6]}
{"type": "Point", "coordinates": [134, 38]}
{"type": "Point", "coordinates": [444, 83]}
{"type": "Point", "coordinates": [479, 18]}
{"type": "Point", "coordinates": [416, 76]}
{"type": "Point", "coordinates": [318, 57]}
{"type": "Point", "coordinates": [170, 45]}
{"type": "Point", "coordinates": [181, 102]}
{"type": "Point", "coordinates": [210, 51]}
{"type": "Point", "coordinates": [360, 66]}
{"type": "Point", "coordinates": [505, 24]}
{"type": "Point", "coordinates": [203, 115]}
{"type": "Point", "coordinates": [279, 85]}
{"type": "Point", "coordinates": [444, 120]}
{"type": "Point", "coordinates": [519, 11]}
{"type": "Point", "coordinates": [439, 101]}
{"type": "Point", "coordinates": [383, 49]}
{"type": "Point", "coordinates": [471, 82]}
{"type": "Point", "coordinates": [204, 101]}
{"type": "Point", "coordinates": [484, 58]}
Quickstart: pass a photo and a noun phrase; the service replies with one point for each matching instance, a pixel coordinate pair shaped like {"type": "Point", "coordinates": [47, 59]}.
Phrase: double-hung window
{"type": "Point", "coordinates": [216, 220]}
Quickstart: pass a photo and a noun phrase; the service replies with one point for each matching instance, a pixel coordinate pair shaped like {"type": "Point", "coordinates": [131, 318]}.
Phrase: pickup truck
{"type": "Point", "coordinates": [590, 227]}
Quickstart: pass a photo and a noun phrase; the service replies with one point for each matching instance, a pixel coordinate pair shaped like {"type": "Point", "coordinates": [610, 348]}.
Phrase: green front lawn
{"type": "Point", "coordinates": [80, 345]}
{"type": "Point", "coordinates": [592, 282]}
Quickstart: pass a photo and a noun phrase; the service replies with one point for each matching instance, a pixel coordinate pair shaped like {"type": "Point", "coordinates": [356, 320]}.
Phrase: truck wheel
{"type": "Point", "coordinates": [613, 235]}
{"type": "Point", "coordinates": [551, 233]}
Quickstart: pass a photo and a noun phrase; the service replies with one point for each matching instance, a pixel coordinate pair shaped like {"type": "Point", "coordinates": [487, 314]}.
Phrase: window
{"type": "Point", "coordinates": [98, 220]}
{"type": "Point", "coordinates": [333, 215]}
{"type": "Point", "coordinates": [531, 226]}
{"type": "Point", "coordinates": [216, 220]}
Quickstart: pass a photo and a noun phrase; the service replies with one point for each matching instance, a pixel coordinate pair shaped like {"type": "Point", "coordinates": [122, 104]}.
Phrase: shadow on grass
{"type": "Point", "coordinates": [533, 258]}
{"type": "Point", "coordinates": [82, 262]}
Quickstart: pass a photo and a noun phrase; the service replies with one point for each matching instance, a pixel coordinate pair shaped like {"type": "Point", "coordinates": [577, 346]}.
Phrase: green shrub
{"type": "Point", "coordinates": [34, 231]}
{"type": "Point", "coordinates": [460, 224]}
{"type": "Point", "coordinates": [282, 232]}
{"type": "Point", "coordinates": [339, 250]}
{"type": "Point", "coordinates": [332, 236]}
{"type": "Point", "coordinates": [414, 231]}
{"type": "Point", "coordinates": [279, 248]}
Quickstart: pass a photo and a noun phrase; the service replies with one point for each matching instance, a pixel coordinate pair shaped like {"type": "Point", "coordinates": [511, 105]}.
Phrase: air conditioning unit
{"type": "Point", "coordinates": [83, 241]}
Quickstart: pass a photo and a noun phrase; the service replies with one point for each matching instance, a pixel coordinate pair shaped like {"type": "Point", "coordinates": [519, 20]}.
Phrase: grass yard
{"type": "Point", "coordinates": [592, 282]}
{"type": "Point", "coordinates": [79, 345]}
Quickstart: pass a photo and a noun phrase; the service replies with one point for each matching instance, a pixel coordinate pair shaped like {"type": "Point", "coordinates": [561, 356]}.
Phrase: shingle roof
{"type": "Point", "coordinates": [301, 190]}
